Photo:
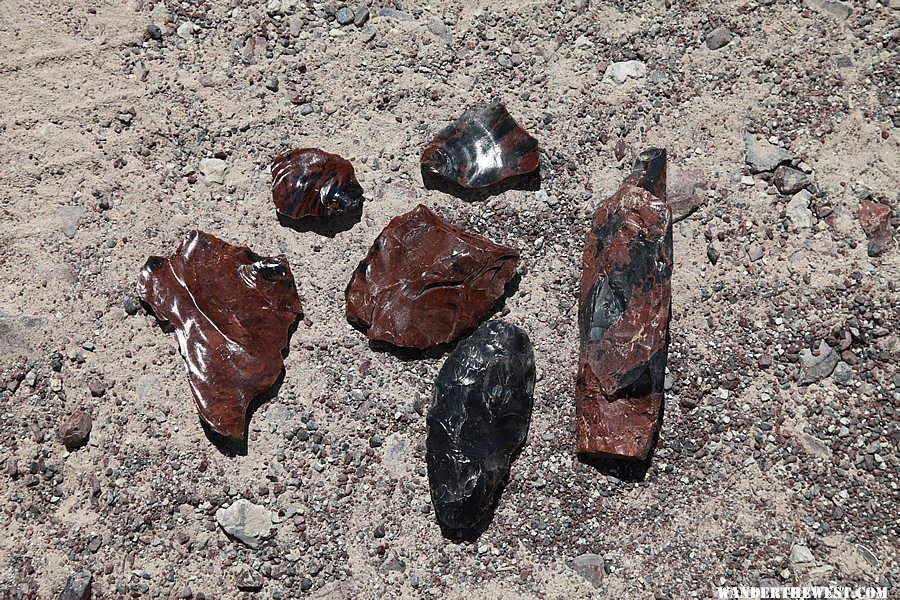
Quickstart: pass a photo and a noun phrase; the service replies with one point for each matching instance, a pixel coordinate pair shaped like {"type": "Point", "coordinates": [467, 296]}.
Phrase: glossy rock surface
{"type": "Point", "coordinates": [425, 282]}
{"type": "Point", "coordinates": [479, 419]}
{"type": "Point", "coordinates": [624, 316]}
{"type": "Point", "coordinates": [232, 311]}
{"type": "Point", "coordinates": [308, 182]}
{"type": "Point", "coordinates": [484, 147]}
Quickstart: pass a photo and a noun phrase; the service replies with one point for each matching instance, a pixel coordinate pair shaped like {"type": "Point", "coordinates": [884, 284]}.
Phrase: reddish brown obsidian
{"type": "Point", "coordinates": [426, 282]}
{"type": "Point", "coordinates": [485, 146]}
{"type": "Point", "coordinates": [308, 182]}
{"type": "Point", "coordinates": [232, 311]}
{"type": "Point", "coordinates": [624, 316]}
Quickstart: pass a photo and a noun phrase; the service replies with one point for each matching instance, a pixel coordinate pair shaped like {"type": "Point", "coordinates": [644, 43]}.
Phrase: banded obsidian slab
{"type": "Point", "coordinates": [623, 316]}
{"type": "Point", "coordinates": [425, 283]}
{"type": "Point", "coordinates": [308, 182]}
{"type": "Point", "coordinates": [232, 311]}
{"type": "Point", "coordinates": [479, 419]}
{"type": "Point", "coordinates": [484, 147]}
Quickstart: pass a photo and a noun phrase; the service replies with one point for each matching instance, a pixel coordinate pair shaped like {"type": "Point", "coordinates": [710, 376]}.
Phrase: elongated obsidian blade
{"type": "Point", "coordinates": [308, 182]}
{"type": "Point", "coordinates": [484, 147]}
{"type": "Point", "coordinates": [232, 311]}
{"type": "Point", "coordinates": [624, 316]}
{"type": "Point", "coordinates": [425, 282]}
{"type": "Point", "coordinates": [479, 419]}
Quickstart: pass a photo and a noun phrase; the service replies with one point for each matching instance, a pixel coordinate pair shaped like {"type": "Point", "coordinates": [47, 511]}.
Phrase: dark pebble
{"type": "Point", "coordinates": [131, 306]}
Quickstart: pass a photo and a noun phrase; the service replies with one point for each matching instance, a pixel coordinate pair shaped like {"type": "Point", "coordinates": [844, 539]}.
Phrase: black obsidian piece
{"type": "Point", "coordinates": [479, 419]}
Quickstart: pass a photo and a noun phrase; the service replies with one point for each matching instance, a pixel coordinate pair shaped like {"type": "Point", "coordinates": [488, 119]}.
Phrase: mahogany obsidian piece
{"type": "Point", "coordinates": [478, 421]}
{"type": "Point", "coordinates": [624, 316]}
{"type": "Point", "coordinates": [232, 311]}
{"type": "Point", "coordinates": [308, 182]}
{"type": "Point", "coordinates": [425, 282]}
{"type": "Point", "coordinates": [484, 147]}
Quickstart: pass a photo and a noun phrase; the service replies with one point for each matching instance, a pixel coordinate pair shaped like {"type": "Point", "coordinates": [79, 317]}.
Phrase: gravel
{"type": "Point", "coordinates": [738, 477]}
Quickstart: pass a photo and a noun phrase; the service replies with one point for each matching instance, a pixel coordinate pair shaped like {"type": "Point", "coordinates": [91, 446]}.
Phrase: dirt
{"type": "Point", "coordinates": [103, 128]}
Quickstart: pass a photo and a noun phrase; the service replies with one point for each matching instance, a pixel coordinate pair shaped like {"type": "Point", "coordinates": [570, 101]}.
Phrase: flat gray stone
{"type": "Point", "coordinates": [589, 566]}
{"type": "Point", "coordinates": [814, 446]}
{"type": "Point", "coordinates": [245, 521]}
{"type": "Point", "coordinates": [621, 71]}
{"type": "Point", "coordinates": [718, 37]}
{"type": "Point", "coordinates": [843, 373]}
{"type": "Point", "coordinates": [213, 170]}
{"type": "Point", "coordinates": [763, 156]}
{"type": "Point", "coordinates": [442, 31]}
{"type": "Point", "coordinates": [393, 13]}
{"type": "Point", "coordinates": [801, 555]}
{"type": "Point", "coordinates": [295, 26]}
{"type": "Point", "coordinates": [70, 217]}
{"type": "Point", "coordinates": [185, 31]}
{"type": "Point", "coordinates": [815, 368]}
{"type": "Point", "coordinates": [755, 252]}
{"type": "Point", "coordinates": [837, 9]}
{"type": "Point", "coordinates": [798, 211]}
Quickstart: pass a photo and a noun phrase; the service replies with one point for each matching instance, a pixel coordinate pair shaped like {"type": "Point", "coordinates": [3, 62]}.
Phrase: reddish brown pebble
{"type": "Point", "coordinates": [75, 430]}
{"type": "Point", "coordinates": [875, 220]}
{"type": "Point", "coordinates": [425, 282]}
{"type": "Point", "coordinates": [482, 148]}
{"type": "Point", "coordinates": [232, 311]}
{"type": "Point", "coordinates": [96, 387]}
{"type": "Point", "coordinates": [620, 149]}
{"type": "Point", "coordinates": [308, 182]}
{"type": "Point", "coordinates": [624, 316]}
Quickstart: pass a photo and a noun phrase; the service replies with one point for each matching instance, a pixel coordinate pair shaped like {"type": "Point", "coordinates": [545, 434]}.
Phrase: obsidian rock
{"type": "Point", "coordinates": [232, 311]}
{"type": "Point", "coordinates": [425, 283]}
{"type": "Point", "coordinates": [623, 316]}
{"type": "Point", "coordinates": [308, 182]}
{"type": "Point", "coordinates": [479, 419]}
{"type": "Point", "coordinates": [482, 148]}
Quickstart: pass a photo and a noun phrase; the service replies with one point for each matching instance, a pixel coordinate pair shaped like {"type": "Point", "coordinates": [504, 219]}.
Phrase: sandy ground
{"type": "Point", "coordinates": [102, 130]}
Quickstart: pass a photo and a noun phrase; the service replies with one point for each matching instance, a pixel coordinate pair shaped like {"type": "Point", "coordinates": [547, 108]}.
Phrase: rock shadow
{"type": "Point", "coordinates": [527, 182]}
{"type": "Point", "coordinates": [325, 226]}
